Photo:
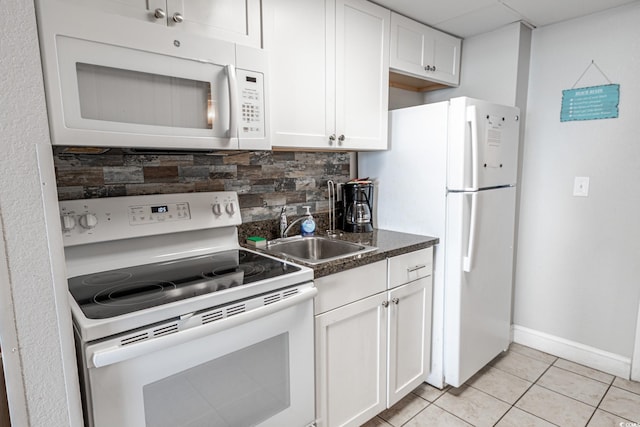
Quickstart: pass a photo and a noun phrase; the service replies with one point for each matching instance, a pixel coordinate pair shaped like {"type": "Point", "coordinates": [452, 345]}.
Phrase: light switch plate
{"type": "Point", "coordinates": [581, 186]}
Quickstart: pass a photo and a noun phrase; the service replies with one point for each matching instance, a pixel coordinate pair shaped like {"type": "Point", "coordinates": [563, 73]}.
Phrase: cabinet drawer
{"type": "Point", "coordinates": [409, 267]}
{"type": "Point", "coordinates": [350, 285]}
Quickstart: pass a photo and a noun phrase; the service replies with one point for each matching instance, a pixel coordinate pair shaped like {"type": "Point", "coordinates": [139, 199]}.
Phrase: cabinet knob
{"type": "Point", "coordinates": [430, 68]}
{"type": "Point", "coordinates": [159, 14]}
{"type": "Point", "coordinates": [340, 139]}
{"type": "Point", "coordinates": [395, 301]}
{"type": "Point", "coordinates": [332, 139]}
{"type": "Point", "coordinates": [177, 17]}
{"type": "Point", "coordinates": [385, 304]}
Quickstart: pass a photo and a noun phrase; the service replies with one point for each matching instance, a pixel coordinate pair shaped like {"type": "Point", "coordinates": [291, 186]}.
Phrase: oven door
{"type": "Point", "coordinates": [252, 369]}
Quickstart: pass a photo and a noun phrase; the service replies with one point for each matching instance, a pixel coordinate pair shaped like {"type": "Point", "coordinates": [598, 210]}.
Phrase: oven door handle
{"type": "Point", "coordinates": [116, 354]}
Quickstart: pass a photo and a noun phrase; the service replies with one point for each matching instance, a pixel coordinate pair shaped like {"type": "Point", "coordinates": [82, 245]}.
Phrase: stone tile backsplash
{"type": "Point", "coordinates": [264, 180]}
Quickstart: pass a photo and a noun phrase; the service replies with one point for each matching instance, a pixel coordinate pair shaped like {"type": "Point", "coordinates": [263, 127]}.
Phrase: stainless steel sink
{"type": "Point", "coordinates": [316, 250]}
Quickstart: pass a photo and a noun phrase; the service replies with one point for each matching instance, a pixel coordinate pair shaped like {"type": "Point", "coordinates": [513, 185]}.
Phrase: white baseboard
{"type": "Point", "coordinates": [575, 352]}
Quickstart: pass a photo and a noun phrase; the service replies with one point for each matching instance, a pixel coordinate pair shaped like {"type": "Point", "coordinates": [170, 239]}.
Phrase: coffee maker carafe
{"type": "Point", "coordinates": [357, 199]}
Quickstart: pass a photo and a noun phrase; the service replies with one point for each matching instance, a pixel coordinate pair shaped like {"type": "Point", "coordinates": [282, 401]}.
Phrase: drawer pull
{"type": "Point", "coordinates": [416, 268]}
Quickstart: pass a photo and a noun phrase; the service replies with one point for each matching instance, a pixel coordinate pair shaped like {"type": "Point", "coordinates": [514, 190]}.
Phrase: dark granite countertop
{"type": "Point", "coordinates": [388, 244]}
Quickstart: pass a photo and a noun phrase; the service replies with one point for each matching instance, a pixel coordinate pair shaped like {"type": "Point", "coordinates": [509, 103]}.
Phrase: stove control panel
{"type": "Point", "coordinates": [97, 220]}
{"type": "Point", "coordinates": [150, 214]}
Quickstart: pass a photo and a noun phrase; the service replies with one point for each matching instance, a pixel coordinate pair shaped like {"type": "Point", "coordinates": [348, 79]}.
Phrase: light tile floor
{"type": "Point", "coordinates": [522, 387]}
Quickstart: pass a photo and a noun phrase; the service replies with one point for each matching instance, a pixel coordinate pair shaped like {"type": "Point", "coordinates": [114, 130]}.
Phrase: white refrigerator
{"type": "Point", "coordinates": [451, 172]}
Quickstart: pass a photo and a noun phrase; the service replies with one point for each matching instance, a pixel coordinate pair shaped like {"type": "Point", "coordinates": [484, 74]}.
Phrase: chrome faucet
{"type": "Point", "coordinates": [284, 233]}
{"type": "Point", "coordinates": [283, 221]}
{"type": "Point", "coordinates": [331, 190]}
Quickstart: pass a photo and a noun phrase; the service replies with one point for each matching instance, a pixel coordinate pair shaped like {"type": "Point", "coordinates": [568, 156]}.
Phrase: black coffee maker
{"type": "Point", "coordinates": [357, 207]}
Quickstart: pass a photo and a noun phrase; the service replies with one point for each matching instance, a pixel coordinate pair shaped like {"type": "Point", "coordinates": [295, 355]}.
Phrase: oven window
{"type": "Point", "coordinates": [126, 96]}
{"type": "Point", "coordinates": [239, 389]}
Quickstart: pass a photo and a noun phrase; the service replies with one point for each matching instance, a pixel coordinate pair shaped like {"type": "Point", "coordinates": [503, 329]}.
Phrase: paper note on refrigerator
{"type": "Point", "coordinates": [493, 142]}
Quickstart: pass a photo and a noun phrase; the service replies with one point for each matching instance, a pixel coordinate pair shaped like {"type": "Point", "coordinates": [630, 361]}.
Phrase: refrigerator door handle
{"type": "Point", "coordinates": [472, 119]}
{"type": "Point", "coordinates": [467, 261]}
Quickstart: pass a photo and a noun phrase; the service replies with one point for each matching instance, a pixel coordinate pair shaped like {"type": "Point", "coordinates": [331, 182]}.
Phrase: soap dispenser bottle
{"type": "Point", "coordinates": [308, 225]}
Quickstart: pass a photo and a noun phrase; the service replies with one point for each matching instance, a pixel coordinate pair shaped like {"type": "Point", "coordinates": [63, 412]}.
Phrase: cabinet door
{"type": "Point", "coordinates": [444, 59]}
{"type": "Point", "coordinates": [351, 344]}
{"type": "Point", "coordinates": [230, 20]}
{"type": "Point", "coordinates": [409, 337]}
{"type": "Point", "coordinates": [299, 37]}
{"type": "Point", "coordinates": [362, 75]}
{"type": "Point", "coordinates": [144, 10]}
{"type": "Point", "coordinates": [408, 45]}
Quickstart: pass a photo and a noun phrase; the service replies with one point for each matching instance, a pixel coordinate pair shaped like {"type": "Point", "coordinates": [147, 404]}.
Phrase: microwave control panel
{"type": "Point", "coordinates": [251, 90]}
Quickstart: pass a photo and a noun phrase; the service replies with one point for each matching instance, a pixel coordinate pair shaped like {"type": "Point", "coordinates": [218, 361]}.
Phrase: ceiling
{"type": "Point", "coordinates": [465, 18]}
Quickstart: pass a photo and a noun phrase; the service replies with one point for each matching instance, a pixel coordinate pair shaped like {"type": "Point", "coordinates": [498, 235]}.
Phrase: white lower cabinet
{"type": "Point", "coordinates": [351, 362]}
{"type": "Point", "coordinates": [409, 338]}
{"type": "Point", "coordinates": [373, 345]}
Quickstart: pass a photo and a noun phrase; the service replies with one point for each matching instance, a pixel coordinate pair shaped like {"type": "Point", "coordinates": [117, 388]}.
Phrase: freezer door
{"type": "Point", "coordinates": [478, 280]}
{"type": "Point", "coordinates": [482, 144]}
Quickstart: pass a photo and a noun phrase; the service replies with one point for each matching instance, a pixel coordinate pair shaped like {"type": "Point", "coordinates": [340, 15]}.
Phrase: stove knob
{"type": "Point", "coordinates": [230, 208]}
{"type": "Point", "coordinates": [217, 210]}
{"type": "Point", "coordinates": [88, 221]}
{"type": "Point", "coordinates": [68, 222]}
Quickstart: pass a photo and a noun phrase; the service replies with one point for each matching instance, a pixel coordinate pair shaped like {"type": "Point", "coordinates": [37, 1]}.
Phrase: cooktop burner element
{"type": "Point", "coordinates": [133, 293]}
{"type": "Point", "coordinates": [106, 278]}
{"type": "Point", "coordinates": [112, 293]}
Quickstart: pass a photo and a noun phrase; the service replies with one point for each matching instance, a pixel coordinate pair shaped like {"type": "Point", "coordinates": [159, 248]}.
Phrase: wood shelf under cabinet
{"type": "Point", "coordinates": [414, 84]}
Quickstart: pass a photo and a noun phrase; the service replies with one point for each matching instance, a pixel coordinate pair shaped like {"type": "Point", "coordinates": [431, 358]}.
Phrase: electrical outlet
{"type": "Point", "coordinates": [581, 186]}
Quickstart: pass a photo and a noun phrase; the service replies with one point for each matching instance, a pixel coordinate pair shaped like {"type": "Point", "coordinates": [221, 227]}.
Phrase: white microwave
{"type": "Point", "coordinates": [113, 81]}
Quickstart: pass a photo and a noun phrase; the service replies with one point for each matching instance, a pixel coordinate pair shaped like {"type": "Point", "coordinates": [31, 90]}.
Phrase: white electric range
{"type": "Point", "coordinates": [176, 324]}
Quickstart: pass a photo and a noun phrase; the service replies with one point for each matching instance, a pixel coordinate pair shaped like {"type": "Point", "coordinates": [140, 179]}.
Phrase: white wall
{"type": "Point", "coordinates": [400, 98]}
{"type": "Point", "coordinates": [35, 324]}
{"type": "Point", "coordinates": [578, 263]}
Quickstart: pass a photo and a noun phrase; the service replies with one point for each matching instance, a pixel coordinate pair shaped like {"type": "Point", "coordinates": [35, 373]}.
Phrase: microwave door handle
{"type": "Point", "coordinates": [233, 103]}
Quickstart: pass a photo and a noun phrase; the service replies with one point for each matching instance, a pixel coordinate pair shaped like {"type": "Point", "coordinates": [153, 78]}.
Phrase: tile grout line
{"type": "Point", "coordinates": [600, 402]}
{"type": "Point", "coordinates": [419, 412]}
{"type": "Point", "coordinates": [582, 375]}
{"type": "Point", "coordinates": [527, 390]}
{"type": "Point", "coordinates": [609, 386]}
{"type": "Point", "coordinates": [444, 410]}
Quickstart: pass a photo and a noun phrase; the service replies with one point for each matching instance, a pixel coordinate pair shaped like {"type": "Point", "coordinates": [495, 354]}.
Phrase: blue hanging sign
{"type": "Point", "coordinates": [590, 103]}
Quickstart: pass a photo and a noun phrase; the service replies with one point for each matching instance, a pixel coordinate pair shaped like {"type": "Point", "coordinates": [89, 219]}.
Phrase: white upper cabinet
{"type": "Point", "coordinates": [231, 20]}
{"type": "Point", "coordinates": [329, 63]}
{"type": "Point", "coordinates": [423, 52]}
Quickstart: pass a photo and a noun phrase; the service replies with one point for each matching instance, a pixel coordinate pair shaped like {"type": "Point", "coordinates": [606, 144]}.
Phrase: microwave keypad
{"type": "Point", "coordinates": [252, 100]}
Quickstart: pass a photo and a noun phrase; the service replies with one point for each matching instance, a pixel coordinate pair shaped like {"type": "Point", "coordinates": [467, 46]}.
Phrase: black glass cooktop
{"type": "Point", "coordinates": [116, 292]}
